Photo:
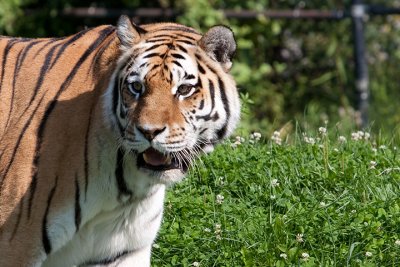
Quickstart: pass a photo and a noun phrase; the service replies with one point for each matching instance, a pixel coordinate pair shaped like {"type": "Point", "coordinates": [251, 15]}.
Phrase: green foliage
{"type": "Point", "coordinates": [316, 202]}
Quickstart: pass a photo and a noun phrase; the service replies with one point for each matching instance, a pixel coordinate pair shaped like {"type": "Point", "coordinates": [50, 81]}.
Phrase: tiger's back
{"type": "Point", "coordinates": [76, 169]}
{"type": "Point", "coordinates": [41, 81]}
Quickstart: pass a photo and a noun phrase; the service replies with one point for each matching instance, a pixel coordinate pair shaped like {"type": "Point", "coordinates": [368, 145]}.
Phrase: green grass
{"type": "Point", "coordinates": [328, 200]}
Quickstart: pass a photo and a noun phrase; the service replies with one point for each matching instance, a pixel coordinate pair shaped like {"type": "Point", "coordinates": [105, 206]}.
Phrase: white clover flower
{"type": "Point", "coordinates": [322, 130]}
{"type": "Point", "coordinates": [274, 183]}
{"type": "Point", "coordinates": [272, 197]}
{"type": "Point", "coordinates": [368, 254]}
{"type": "Point", "coordinates": [342, 139]}
{"type": "Point", "coordinates": [256, 136]}
{"type": "Point", "coordinates": [305, 256]}
{"type": "Point", "coordinates": [382, 147]}
{"type": "Point", "coordinates": [309, 140]}
{"type": "Point", "coordinates": [217, 228]}
{"type": "Point", "coordinates": [353, 211]}
{"type": "Point", "coordinates": [239, 139]}
{"type": "Point", "coordinates": [283, 256]}
{"type": "Point", "coordinates": [356, 136]}
{"type": "Point", "coordinates": [374, 150]}
{"type": "Point", "coordinates": [276, 138]}
{"type": "Point", "coordinates": [196, 264]}
{"type": "Point", "coordinates": [299, 238]}
{"type": "Point", "coordinates": [276, 134]}
{"type": "Point", "coordinates": [397, 242]}
{"type": "Point", "coordinates": [220, 199]}
{"type": "Point", "coordinates": [336, 150]}
{"type": "Point", "coordinates": [207, 230]}
{"type": "Point", "coordinates": [367, 136]}
{"type": "Point", "coordinates": [360, 133]}
{"type": "Point", "coordinates": [237, 143]}
{"type": "Point", "coordinates": [372, 164]}
{"type": "Point", "coordinates": [322, 204]}
{"type": "Point", "coordinates": [156, 246]}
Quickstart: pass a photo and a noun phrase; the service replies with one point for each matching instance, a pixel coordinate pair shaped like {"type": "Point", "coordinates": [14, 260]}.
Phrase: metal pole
{"type": "Point", "coordinates": [358, 12]}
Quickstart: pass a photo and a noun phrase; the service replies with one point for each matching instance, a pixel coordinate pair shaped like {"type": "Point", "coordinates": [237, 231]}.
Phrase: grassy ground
{"type": "Point", "coordinates": [319, 201]}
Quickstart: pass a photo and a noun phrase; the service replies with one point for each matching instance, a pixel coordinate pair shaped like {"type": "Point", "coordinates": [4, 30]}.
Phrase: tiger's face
{"type": "Point", "coordinates": [173, 97]}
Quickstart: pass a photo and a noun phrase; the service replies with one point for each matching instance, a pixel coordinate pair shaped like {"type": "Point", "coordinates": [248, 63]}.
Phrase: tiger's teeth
{"type": "Point", "coordinates": [146, 159]}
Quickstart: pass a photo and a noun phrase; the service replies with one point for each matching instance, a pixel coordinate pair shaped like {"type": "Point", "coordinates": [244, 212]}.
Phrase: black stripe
{"type": "Point", "coordinates": [13, 89]}
{"type": "Point", "coordinates": [154, 67]}
{"type": "Point", "coordinates": [42, 75]}
{"type": "Point", "coordinates": [186, 42]}
{"type": "Point", "coordinates": [98, 55]}
{"type": "Point", "coordinates": [106, 261]}
{"type": "Point", "coordinates": [212, 96]}
{"type": "Point", "coordinates": [45, 236]}
{"type": "Point", "coordinates": [222, 132]}
{"type": "Point", "coordinates": [152, 47]}
{"type": "Point", "coordinates": [200, 68]}
{"type": "Point", "coordinates": [179, 28]}
{"type": "Point", "coordinates": [67, 43]}
{"type": "Point", "coordinates": [86, 164]}
{"type": "Point", "coordinates": [103, 35]}
{"type": "Point", "coordinates": [77, 204]}
{"type": "Point", "coordinates": [201, 104]}
{"type": "Point", "coordinates": [182, 48]}
{"type": "Point", "coordinates": [202, 131]}
{"type": "Point", "coordinates": [10, 44]}
{"type": "Point", "coordinates": [25, 53]}
{"type": "Point", "coordinates": [177, 63]}
{"type": "Point", "coordinates": [119, 175]}
{"type": "Point", "coordinates": [199, 84]}
{"type": "Point", "coordinates": [161, 36]}
{"type": "Point", "coordinates": [48, 42]}
{"type": "Point", "coordinates": [5, 171]}
{"type": "Point", "coordinates": [152, 55]}
{"type": "Point", "coordinates": [179, 56]}
{"type": "Point", "coordinates": [157, 40]}
{"type": "Point", "coordinates": [115, 102]}
{"type": "Point", "coordinates": [185, 36]}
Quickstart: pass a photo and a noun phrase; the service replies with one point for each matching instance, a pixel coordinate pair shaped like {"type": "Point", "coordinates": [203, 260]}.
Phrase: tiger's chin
{"type": "Point", "coordinates": [165, 168]}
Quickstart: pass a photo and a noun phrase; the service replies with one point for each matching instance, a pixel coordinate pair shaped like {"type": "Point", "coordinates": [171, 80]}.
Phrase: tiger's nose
{"type": "Point", "coordinates": [150, 133]}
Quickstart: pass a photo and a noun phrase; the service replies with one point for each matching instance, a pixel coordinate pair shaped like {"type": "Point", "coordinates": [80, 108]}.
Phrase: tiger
{"type": "Point", "coordinates": [95, 127]}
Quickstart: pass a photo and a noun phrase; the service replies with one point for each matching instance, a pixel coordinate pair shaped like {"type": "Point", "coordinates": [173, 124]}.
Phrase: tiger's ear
{"type": "Point", "coordinates": [128, 32]}
{"type": "Point", "coordinates": [219, 43]}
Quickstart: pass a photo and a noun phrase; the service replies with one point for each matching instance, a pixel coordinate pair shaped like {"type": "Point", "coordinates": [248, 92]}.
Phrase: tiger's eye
{"type": "Point", "coordinates": [135, 87]}
{"type": "Point", "coordinates": [184, 89]}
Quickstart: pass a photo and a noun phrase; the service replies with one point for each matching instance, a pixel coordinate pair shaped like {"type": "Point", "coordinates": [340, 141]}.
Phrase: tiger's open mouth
{"type": "Point", "coordinates": [154, 160]}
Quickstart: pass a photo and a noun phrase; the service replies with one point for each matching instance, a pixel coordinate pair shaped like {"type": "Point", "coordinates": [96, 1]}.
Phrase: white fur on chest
{"type": "Point", "coordinates": [129, 227]}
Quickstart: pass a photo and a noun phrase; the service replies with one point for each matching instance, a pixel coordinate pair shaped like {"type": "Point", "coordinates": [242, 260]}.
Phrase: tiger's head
{"type": "Point", "coordinates": [172, 94]}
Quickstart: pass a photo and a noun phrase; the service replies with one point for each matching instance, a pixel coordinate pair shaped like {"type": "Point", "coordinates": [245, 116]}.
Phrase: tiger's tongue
{"type": "Point", "coordinates": [155, 158]}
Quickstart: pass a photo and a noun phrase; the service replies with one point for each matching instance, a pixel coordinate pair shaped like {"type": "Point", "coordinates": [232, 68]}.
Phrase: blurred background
{"type": "Point", "coordinates": [293, 70]}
